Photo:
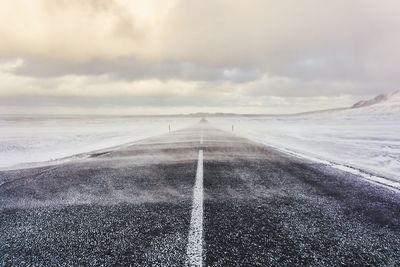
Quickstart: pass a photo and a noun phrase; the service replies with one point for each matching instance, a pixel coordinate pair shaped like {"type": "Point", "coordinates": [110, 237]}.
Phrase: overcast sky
{"type": "Point", "coordinates": [180, 56]}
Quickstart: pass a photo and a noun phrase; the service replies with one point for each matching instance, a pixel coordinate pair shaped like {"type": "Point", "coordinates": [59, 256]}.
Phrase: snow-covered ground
{"type": "Point", "coordinates": [25, 140]}
{"type": "Point", "coordinates": [366, 138]}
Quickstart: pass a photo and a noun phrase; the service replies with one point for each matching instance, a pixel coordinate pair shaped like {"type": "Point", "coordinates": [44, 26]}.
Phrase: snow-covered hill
{"type": "Point", "coordinates": [384, 103]}
{"type": "Point", "coordinates": [381, 105]}
{"type": "Point", "coordinates": [378, 99]}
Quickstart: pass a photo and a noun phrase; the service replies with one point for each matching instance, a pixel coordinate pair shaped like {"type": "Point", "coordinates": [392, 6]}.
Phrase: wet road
{"type": "Point", "coordinates": [197, 196]}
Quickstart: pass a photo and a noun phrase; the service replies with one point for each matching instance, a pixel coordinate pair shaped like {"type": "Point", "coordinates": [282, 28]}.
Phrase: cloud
{"type": "Point", "coordinates": [74, 30]}
{"type": "Point", "coordinates": [309, 38]}
{"type": "Point", "coordinates": [103, 91]}
{"type": "Point", "coordinates": [223, 32]}
{"type": "Point", "coordinates": [210, 53]}
{"type": "Point", "coordinates": [129, 68]}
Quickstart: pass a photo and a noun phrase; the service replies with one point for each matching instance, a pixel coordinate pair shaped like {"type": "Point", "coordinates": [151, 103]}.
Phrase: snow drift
{"type": "Point", "coordinates": [365, 136]}
{"type": "Point", "coordinates": [24, 140]}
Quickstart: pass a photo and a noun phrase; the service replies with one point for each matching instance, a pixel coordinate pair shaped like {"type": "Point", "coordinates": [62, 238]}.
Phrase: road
{"type": "Point", "coordinates": [198, 196]}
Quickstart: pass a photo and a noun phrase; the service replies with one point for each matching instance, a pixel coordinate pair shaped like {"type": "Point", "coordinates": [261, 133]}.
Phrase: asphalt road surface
{"type": "Point", "coordinates": [199, 197]}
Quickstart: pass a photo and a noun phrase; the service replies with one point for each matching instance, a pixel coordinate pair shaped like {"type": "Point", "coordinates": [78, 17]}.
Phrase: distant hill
{"type": "Point", "coordinates": [383, 103]}
{"type": "Point", "coordinates": [378, 99]}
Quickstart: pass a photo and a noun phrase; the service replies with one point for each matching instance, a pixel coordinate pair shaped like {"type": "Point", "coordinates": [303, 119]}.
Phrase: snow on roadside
{"type": "Point", "coordinates": [24, 140]}
{"type": "Point", "coordinates": [357, 144]}
{"type": "Point", "coordinates": [370, 177]}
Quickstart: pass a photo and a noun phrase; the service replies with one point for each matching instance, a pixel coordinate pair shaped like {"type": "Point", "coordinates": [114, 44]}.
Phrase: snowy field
{"type": "Point", "coordinates": [365, 138]}
{"type": "Point", "coordinates": [370, 143]}
{"type": "Point", "coordinates": [24, 140]}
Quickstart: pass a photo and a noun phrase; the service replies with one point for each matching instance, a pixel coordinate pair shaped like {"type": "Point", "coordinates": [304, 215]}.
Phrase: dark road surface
{"type": "Point", "coordinates": [133, 206]}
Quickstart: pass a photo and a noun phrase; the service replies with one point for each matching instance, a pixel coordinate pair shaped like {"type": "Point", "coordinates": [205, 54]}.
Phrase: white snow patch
{"type": "Point", "coordinates": [371, 178]}
{"type": "Point", "coordinates": [24, 140]}
{"type": "Point", "coordinates": [370, 143]}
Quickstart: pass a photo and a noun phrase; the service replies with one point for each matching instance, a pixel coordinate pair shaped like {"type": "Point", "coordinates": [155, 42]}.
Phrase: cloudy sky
{"type": "Point", "coordinates": [180, 56]}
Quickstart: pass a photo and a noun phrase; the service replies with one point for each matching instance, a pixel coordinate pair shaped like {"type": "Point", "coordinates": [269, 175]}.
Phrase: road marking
{"type": "Point", "coordinates": [194, 252]}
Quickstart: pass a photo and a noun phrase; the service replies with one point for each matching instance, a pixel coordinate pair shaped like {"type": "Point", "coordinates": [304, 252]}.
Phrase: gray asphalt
{"type": "Point", "coordinates": [131, 206]}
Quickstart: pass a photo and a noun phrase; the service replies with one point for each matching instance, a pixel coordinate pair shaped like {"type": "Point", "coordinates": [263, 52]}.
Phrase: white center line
{"type": "Point", "coordinates": [194, 250]}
